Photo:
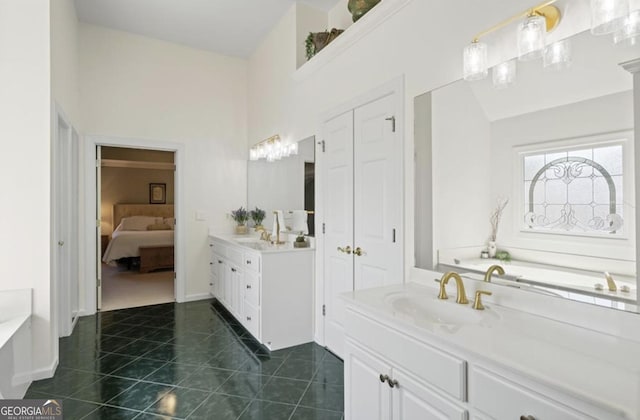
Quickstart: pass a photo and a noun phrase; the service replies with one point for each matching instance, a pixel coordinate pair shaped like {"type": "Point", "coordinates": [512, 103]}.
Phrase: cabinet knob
{"type": "Point", "coordinates": [211, 263]}
{"type": "Point", "coordinates": [248, 286]}
{"type": "Point", "coordinates": [384, 378]}
{"type": "Point", "coordinates": [210, 284]}
{"type": "Point", "coordinates": [219, 261]}
{"type": "Point", "coordinates": [248, 318]}
{"type": "Point", "coordinates": [233, 269]}
{"type": "Point", "coordinates": [392, 383]}
{"type": "Point", "coordinates": [249, 262]}
{"type": "Point", "coordinates": [525, 417]}
{"type": "Point", "coordinates": [210, 244]}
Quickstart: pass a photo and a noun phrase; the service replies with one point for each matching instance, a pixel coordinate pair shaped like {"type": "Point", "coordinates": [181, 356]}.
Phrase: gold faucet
{"type": "Point", "coordinates": [277, 242]}
{"type": "Point", "coordinates": [490, 270]}
{"type": "Point", "coordinates": [265, 236]}
{"type": "Point", "coordinates": [477, 302]}
{"type": "Point", "coordinates": [462, 296]}
{"type": "Point", "coordinates": [611, 284]}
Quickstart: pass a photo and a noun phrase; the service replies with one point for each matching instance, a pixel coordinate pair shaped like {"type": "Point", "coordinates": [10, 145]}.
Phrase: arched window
{"type": "Point", "coordinates": [577, 191]}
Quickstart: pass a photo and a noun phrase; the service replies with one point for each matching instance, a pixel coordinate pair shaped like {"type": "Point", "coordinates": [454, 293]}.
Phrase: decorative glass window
{"type": "Point", "coordinates": [574, 191]}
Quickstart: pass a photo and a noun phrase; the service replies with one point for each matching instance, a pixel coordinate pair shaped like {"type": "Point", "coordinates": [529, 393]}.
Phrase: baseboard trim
{"type": "Point", "coordinates": [199, 296]}
{"type": "Point", "coordinates": [45, 372]}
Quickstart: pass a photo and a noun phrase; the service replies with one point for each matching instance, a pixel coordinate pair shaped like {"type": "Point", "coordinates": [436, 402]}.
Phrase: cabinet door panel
{"type": "Point", "coordinates": [236, 291]}
{"type": "Point", "coordinates": [366, 397]}
{"type": "Point", "coordinates": [338, 204]}
{"type": "Point", "coordinates": [415, 401]}
{"type": "Point", "coordinates": [377, 195]}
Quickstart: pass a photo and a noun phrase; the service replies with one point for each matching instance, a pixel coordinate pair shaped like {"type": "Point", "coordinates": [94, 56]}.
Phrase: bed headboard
{"type": "Point", "coordinates": [128, 210]}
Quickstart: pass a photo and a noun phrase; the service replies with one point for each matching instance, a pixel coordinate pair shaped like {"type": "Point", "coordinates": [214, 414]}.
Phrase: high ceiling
{"type": "Point", "coordinates": [230, 27]}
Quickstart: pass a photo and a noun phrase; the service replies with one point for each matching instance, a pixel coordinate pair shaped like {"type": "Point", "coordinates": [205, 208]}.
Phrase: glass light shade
{"type": "Point", "coordinates": [531, 37]}
{"type": "Point", "coordinates": [475, 61]}
{"type": "Point", "coordinates": [262, 151]}
{"type": "Point", "coordinates": [607, 15]}
{"type": "Point", "coordinates": [629, 32]}
{"type": "Point", "coordinates": [293, 148]}
{"type": "Point", "coordinates": [504, 74]}
{"type": "Point", "coordinates": [253, 154]}
{"type": "Point", "coordinates": [557, 56]}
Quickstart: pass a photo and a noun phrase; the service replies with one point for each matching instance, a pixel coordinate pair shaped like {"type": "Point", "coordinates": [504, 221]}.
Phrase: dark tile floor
{"type": "Point", "coordinates": [190, 361]}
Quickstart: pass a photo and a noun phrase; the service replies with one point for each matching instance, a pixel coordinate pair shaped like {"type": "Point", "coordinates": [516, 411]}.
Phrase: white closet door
{"type": "Point", "coordinates": [338, 204]}
{"type": "Point", "coordinates": [378, 195]}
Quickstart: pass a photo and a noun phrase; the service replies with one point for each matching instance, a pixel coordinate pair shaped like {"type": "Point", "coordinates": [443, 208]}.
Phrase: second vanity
{"type": "Point", "coordinates": [267, 288]}
{"type": "Point", "coordinates": [410, 355]}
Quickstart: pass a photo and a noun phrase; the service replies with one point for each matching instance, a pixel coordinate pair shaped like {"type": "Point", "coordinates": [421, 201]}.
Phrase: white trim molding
{"type": "Point", "coordinates": [90, 277]}
{"type": "Point", "coordinates": [632, 66]}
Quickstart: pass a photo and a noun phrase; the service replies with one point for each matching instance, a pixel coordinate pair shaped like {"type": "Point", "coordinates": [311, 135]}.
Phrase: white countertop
{"type": "Point", "coordinates": [253, 243]}
{"type": "Point", "coordinates": [601, 368]}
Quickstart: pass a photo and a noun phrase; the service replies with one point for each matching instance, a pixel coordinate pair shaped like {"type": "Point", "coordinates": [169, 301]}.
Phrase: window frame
{"type": "Point", "coordinates": [623, 138]}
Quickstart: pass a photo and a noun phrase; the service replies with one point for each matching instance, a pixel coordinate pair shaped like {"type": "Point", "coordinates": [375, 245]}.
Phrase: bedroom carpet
{"type": "Point", "coordinates": [187, 361]}
{"type": "Point", "coordinates": [130, 289]}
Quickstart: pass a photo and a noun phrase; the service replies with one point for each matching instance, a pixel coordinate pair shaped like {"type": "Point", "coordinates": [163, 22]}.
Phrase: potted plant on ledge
{"type": "Point", "coordinates": [240, 216]}
{"type": "Point", "coordinates": [258, 216]}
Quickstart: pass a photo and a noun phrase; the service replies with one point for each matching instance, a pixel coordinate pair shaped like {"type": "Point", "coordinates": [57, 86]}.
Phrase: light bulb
{"type": "Point", "coordinates": [531, 36]}
{"type": "Point", "coordinates": [607, 15]}
{"type": "Point", "coordinates": [629, 33]}
{"type": "Point", "coordinates": [504, 74]}
{"type": "Point", "coordinates": [557, 56]}
{"type": "Point", "coordinates": [475, 61]}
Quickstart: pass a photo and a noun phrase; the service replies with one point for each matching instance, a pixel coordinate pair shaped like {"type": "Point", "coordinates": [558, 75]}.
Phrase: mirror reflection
{"type": "Point", "coordinates": [537, 177]}
{"type": "Point", "coordinates": [286, 184]}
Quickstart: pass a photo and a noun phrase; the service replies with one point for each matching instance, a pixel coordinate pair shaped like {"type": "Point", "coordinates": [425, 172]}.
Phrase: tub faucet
{"type": "Point", "coordinates": [611, 284]}
{"type": "Point", "coordinates": [490, 270]}
{"type": "Point", "coordinates": [462, 296]}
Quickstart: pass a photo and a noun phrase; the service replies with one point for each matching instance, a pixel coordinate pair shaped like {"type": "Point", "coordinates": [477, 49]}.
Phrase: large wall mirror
{"type": "Point", "coordinates": [559, 145]}
{"type": "Point", "coordinates": [287, 184]}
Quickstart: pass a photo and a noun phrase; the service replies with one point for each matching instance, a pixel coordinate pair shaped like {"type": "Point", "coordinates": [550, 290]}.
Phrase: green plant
{"type": "Point", "coordinates": [300, 238]}
{"type": "Point", "coordinates": [257, 216]}
{"type": "Point", "coordinates": [503, 256]}
{"type": "Point", "coordinates": [309, 46]}
{"type": "Point", "coordinates": [240, 216]}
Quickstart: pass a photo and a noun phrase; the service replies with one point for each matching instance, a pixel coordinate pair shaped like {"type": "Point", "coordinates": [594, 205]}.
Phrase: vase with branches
{"type": "Point", "coordinates": [494, 220]}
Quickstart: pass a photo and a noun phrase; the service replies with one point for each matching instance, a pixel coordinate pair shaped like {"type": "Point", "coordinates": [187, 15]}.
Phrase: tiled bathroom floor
{"type": "Point", "coordinates": [187, 361]}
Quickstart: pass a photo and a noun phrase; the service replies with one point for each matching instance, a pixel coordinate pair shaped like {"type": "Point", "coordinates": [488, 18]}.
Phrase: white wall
{"type": "Point", "coordinates": [137, 87]}
{"type": "Point", "coordinates": [583, 119]}
{"type": "Point", "coordinates": [64, 59]}
{"type": "Point", "coordinates": [423, 41]}
{"type": "Point", "coordinates": [461, 168]}
{"type": "Point", "coordinates": [25, 83]}
{"type": "Point", "coordinates": [339, 16]}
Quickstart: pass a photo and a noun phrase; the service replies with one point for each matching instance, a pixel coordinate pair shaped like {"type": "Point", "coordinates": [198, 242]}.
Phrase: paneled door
{"type": "Point", "coordinates": [338, 224]}
{"type": "Point", "coordinates": [377, 195]}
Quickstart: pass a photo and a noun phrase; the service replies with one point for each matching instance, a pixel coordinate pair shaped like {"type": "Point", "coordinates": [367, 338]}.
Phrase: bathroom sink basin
{"type": "Point", "coordinates": [434, 311]}
{"type": "Point", "coordinates": [246, 240]}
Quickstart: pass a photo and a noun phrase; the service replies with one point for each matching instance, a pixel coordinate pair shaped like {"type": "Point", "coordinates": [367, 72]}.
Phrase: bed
{"type": "Point", "coordinates": [147, 226]}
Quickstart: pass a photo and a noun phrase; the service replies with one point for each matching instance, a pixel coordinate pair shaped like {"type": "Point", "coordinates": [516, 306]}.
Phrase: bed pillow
{"type": "Point", "coordinates": [171, 221]}
{"type": "Point", "coordinates": [159, 226]}
{"type": "Point", "coordinates": [138, 222]}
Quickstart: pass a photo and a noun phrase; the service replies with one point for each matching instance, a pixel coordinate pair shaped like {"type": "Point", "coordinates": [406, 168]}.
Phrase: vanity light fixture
{"type": "Point", "coordinates": [272, 149]}
{"type": "Point", "coordinates": [504, 74]}
{"type": "Point", "coordinates": [629, 33]}
{"type": "Point", "coordinates": [607, 15]}
{"type": "Point", "coordinates": [538, 21]}
{"type": "Point", "coordinates": [557, 56]}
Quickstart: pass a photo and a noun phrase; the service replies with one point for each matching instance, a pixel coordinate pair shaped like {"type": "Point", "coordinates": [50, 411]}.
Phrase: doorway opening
{"type": "Point", "coordinates": [136, 242]}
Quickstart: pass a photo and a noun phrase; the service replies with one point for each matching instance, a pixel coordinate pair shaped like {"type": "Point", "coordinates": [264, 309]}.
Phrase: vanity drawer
{"type": "Point", "coordinates": [251, 319]}
{"type": "Point", "coordinates": [435, 367]}
{"type": "Point", "coordinates": [501, 398]}
{"type": "Point", "coordinates": [217, 248]}
{"type": "Point", "coordinates": [252, 261]}
{"type": "Point", "coordinates": [252, 289]}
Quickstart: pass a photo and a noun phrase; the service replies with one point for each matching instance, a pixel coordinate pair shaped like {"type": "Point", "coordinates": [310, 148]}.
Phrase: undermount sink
{"type": "Point", "coordinates": [434, 311]}
{"type": "Point", "coordinates": [247, 239]}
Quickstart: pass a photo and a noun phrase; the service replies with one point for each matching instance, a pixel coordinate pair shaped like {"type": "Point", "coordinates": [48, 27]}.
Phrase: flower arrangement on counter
{"type": "Point", "coordinates": [240, 216]}
{"type": "Point", "coordinates": [258, 216]}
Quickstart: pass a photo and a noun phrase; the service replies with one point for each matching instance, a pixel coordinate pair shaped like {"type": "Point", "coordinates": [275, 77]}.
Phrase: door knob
{"type": "Point", "coordinates": [358, 251]}
{"type": "Point", "coordinates": [346, 250]}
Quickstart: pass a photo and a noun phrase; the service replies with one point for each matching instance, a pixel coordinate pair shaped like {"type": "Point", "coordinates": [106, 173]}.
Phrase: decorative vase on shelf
{"type": "Point", "coordinates": [359, 8]}
{"type": "Point", "coordinates": [241, 229]}
{"type": "Point", "coordinates": [492, 249]}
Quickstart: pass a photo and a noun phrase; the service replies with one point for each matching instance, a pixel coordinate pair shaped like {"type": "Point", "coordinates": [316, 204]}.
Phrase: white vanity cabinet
{"type": "Point", "coordinates": [269, 291]}
{"type": "Point", "coordinates": [395, 368]}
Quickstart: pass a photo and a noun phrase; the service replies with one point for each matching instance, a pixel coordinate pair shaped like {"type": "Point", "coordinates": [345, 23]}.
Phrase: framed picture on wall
{"type": "Point", "coordinates": [157, 193]}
